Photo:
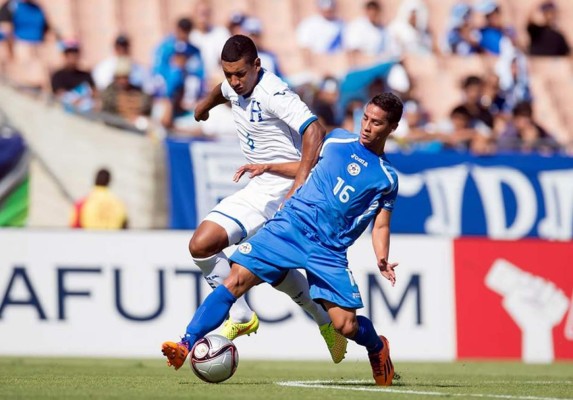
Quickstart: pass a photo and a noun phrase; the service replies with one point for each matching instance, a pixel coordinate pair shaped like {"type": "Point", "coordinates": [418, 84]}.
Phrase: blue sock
{"type": "Point", "coordinates": [210, 314]}
{"type": "Point", "coordinates": [367, 336]}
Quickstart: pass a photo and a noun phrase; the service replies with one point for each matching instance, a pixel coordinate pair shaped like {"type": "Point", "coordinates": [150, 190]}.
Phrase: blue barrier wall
{"type": "Point", "coordinates": [448, 193]}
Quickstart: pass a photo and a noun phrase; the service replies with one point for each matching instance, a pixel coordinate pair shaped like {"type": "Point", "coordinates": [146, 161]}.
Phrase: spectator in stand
{"type": "Point", "coordinates": [100, 209]}
{"type": "Point", "coordinates": [324, 103]}
{"type": "Point", "coordinates": [163, 53]}
{"type": "Point", "coordinates": [412, 132]}
{"type": "Point", "coordinates": [481, 117]}
{"type": "Point", "coordinates": [460, 133]}
{"type": "Point", "coordinates": [23, 21]}
{"type": "Point", "coordinates": [544, 35]}
{"type": "Point", "coordinates": [409, 29]}
{"type": "Point", "coordinates": [208, 38]}
{"type": "Point", "coordinates": [183, 87]}
{"type": "Point", "coordinates": [24, 28]}
{"type": "Point", "coordinates": [495, 38]}
{"type": "Point", "coordinates": [493, 97]}
{"type": "Point", "coordinates": [511, 68]}
{"type": "Point", "coordinates": [71, 85]}
{"type": "Point", "coordinates": [525, 135]}
{"type": "Point", "coordinates": [368, 36]}
{"type": "Point", "coordinates": [104, 72]}
{"type": "Point", "coordinates": [124, 99]}
{"type": "Point", "coordinates": [235, 25]}
{"type": "Point", "coordinates": [252, 27]}
{"type": "Point", "coordinates": [463, 37]}
{"type": "Point", "coordinates": [321, 33]}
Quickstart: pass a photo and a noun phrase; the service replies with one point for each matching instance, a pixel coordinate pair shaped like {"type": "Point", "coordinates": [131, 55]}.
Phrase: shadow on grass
{"type": "Point", "coordinates": [205, 384]}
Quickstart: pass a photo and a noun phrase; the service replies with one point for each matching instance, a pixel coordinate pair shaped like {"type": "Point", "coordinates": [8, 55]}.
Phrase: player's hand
{"type": "Point", "coordinates": [387, 270]}
{"type": "Point", "coordinates": [253, 169]}
{"type": "Point", "coordinates": [201, 116]}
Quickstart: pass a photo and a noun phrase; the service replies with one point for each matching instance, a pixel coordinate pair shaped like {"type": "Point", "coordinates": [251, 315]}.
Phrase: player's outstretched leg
{"type": "Point", "coordinates": [296, 286]}
{"type": "Point", "coordinates": [242, 320]}
{"type": "Point", "coordinates": [208, 316]}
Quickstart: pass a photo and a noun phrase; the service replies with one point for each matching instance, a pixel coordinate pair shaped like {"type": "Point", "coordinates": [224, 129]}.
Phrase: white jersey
{"type": "Point", "coordinates": [374, 40]}
{"type": "Point", "coordinates": [270, 123]}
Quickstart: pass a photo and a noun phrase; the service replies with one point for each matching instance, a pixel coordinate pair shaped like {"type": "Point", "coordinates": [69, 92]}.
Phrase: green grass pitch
{"type": "Point", "coordinates": [56, 378]}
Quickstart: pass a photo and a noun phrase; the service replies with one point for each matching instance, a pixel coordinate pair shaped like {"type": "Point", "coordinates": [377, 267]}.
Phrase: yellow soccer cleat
{"type": "Point", "coordinates": [335, 342]}
{"type": "Point", "coordinates": [232, 330]}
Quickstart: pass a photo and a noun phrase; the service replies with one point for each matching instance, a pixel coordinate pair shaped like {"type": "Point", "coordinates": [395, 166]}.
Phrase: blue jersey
{"type": "Point", "coordinates": [27, 18]}
{"type": "Point", "coordinates": [167, 48]}
{"type": "Point", "coordinates": [346, 189]}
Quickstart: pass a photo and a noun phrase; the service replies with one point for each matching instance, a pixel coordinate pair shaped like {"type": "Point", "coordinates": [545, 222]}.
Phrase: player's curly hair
{"type": "Point", "coordinates": [239, 47]}
{"type": "Point", "coordinates": [390, 103]}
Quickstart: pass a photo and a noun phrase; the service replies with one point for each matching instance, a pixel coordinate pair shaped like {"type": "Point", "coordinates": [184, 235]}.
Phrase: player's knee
{"type": "Point", "coordinates": [201, 246]}
{"type": "Point", "coordinates": [347, 326]}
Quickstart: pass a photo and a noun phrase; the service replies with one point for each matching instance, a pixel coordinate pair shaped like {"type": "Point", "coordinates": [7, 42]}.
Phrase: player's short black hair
{"type": "Point", "coordinates": [239, 47]}
{"type": "Point", "coordinates": [185, 24]}
{"type": "Point", "coordinates": [390, 103]}
{"type": "Point", "coordinates": [103, 177]}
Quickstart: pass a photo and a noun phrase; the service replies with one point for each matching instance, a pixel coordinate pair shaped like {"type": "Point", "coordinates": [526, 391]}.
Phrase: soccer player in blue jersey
{"type": "Point", "coordinates": [352, 184]}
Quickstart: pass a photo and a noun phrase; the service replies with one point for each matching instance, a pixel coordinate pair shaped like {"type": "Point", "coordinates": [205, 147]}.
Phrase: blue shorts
{"type": "Point", "coordinates": [285, 243]}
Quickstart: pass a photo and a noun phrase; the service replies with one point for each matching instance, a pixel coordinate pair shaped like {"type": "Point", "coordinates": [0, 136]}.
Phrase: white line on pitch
{"type": "Point", "coordinates": [333, 385]}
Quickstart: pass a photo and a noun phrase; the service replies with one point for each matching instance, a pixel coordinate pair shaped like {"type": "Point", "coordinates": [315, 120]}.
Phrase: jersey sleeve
{"type": "Point", "coordinates": [226, 89]}
{"type": "Point", "coordinates": [389, 196]}
{"type": "Point", "coordinates": [287, 106]}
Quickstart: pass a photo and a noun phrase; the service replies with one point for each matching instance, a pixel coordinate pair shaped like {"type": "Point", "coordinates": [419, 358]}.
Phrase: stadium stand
{"type": "Point", "coordinates": [147, 21]}
{"type": "Point", "coordinates": [62, 148]}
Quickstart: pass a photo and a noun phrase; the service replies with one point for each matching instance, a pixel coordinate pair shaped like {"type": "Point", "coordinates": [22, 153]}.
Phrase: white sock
{"type": "Point", "coordinates": [215, 270]}
{"type": "Point", "coordinates": [296, 286]}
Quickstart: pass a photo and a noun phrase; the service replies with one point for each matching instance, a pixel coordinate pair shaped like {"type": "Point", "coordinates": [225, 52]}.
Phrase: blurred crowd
{"type": "Point", "coordinates": [496, 113]}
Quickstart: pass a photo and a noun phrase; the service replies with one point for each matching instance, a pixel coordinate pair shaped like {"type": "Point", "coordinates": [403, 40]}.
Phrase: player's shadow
{"type": "Point", "coordinates": [200, 383]}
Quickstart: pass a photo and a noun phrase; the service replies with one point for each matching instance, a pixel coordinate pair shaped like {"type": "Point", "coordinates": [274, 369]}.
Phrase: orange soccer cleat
{"type": "Point", "coordinates": [382, 367]}
{"type": "Point", "coordinates": [176, 353]}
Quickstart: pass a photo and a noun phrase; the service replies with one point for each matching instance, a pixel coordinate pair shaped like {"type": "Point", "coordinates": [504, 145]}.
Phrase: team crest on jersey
{"type": "Point", "coordinates": [353, 169]}
{"type": "Point", "coordinates": [245, 248]}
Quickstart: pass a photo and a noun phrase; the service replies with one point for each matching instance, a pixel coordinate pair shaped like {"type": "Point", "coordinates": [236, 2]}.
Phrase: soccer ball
{"type": "Point", "coordinates": [214, 358]}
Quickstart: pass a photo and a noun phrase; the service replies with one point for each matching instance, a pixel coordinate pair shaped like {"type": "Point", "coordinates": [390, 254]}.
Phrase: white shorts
{"type": "Point", "coordinates": [244, 212]}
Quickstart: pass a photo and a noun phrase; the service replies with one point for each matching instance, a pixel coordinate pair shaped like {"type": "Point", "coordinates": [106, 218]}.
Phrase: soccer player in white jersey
{"type": "Point", "coordinates": [273, 124]}
{"type": "Point", "coordinates": [352, 184]}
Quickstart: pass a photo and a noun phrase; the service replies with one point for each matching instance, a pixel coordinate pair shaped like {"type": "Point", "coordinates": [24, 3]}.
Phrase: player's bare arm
{"type": "Point", "coordinates": [213, 99]}
{"type": "Point", "coordinates": [311, 145]}
{"type": "Point", "coordinates": [381, 245]}
{"type": "Point", "coordinates": [286, 170]}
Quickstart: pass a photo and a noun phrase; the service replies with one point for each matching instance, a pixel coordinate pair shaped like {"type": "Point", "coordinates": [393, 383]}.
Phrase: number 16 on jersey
{"type": "Point", "coordinates": [342, 191]}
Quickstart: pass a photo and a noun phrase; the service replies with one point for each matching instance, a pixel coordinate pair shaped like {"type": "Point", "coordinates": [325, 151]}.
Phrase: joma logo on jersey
{"type": "Point", "coordinates": [256, 111]}
{"type": "Point", "coordinates": [360, 160]}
